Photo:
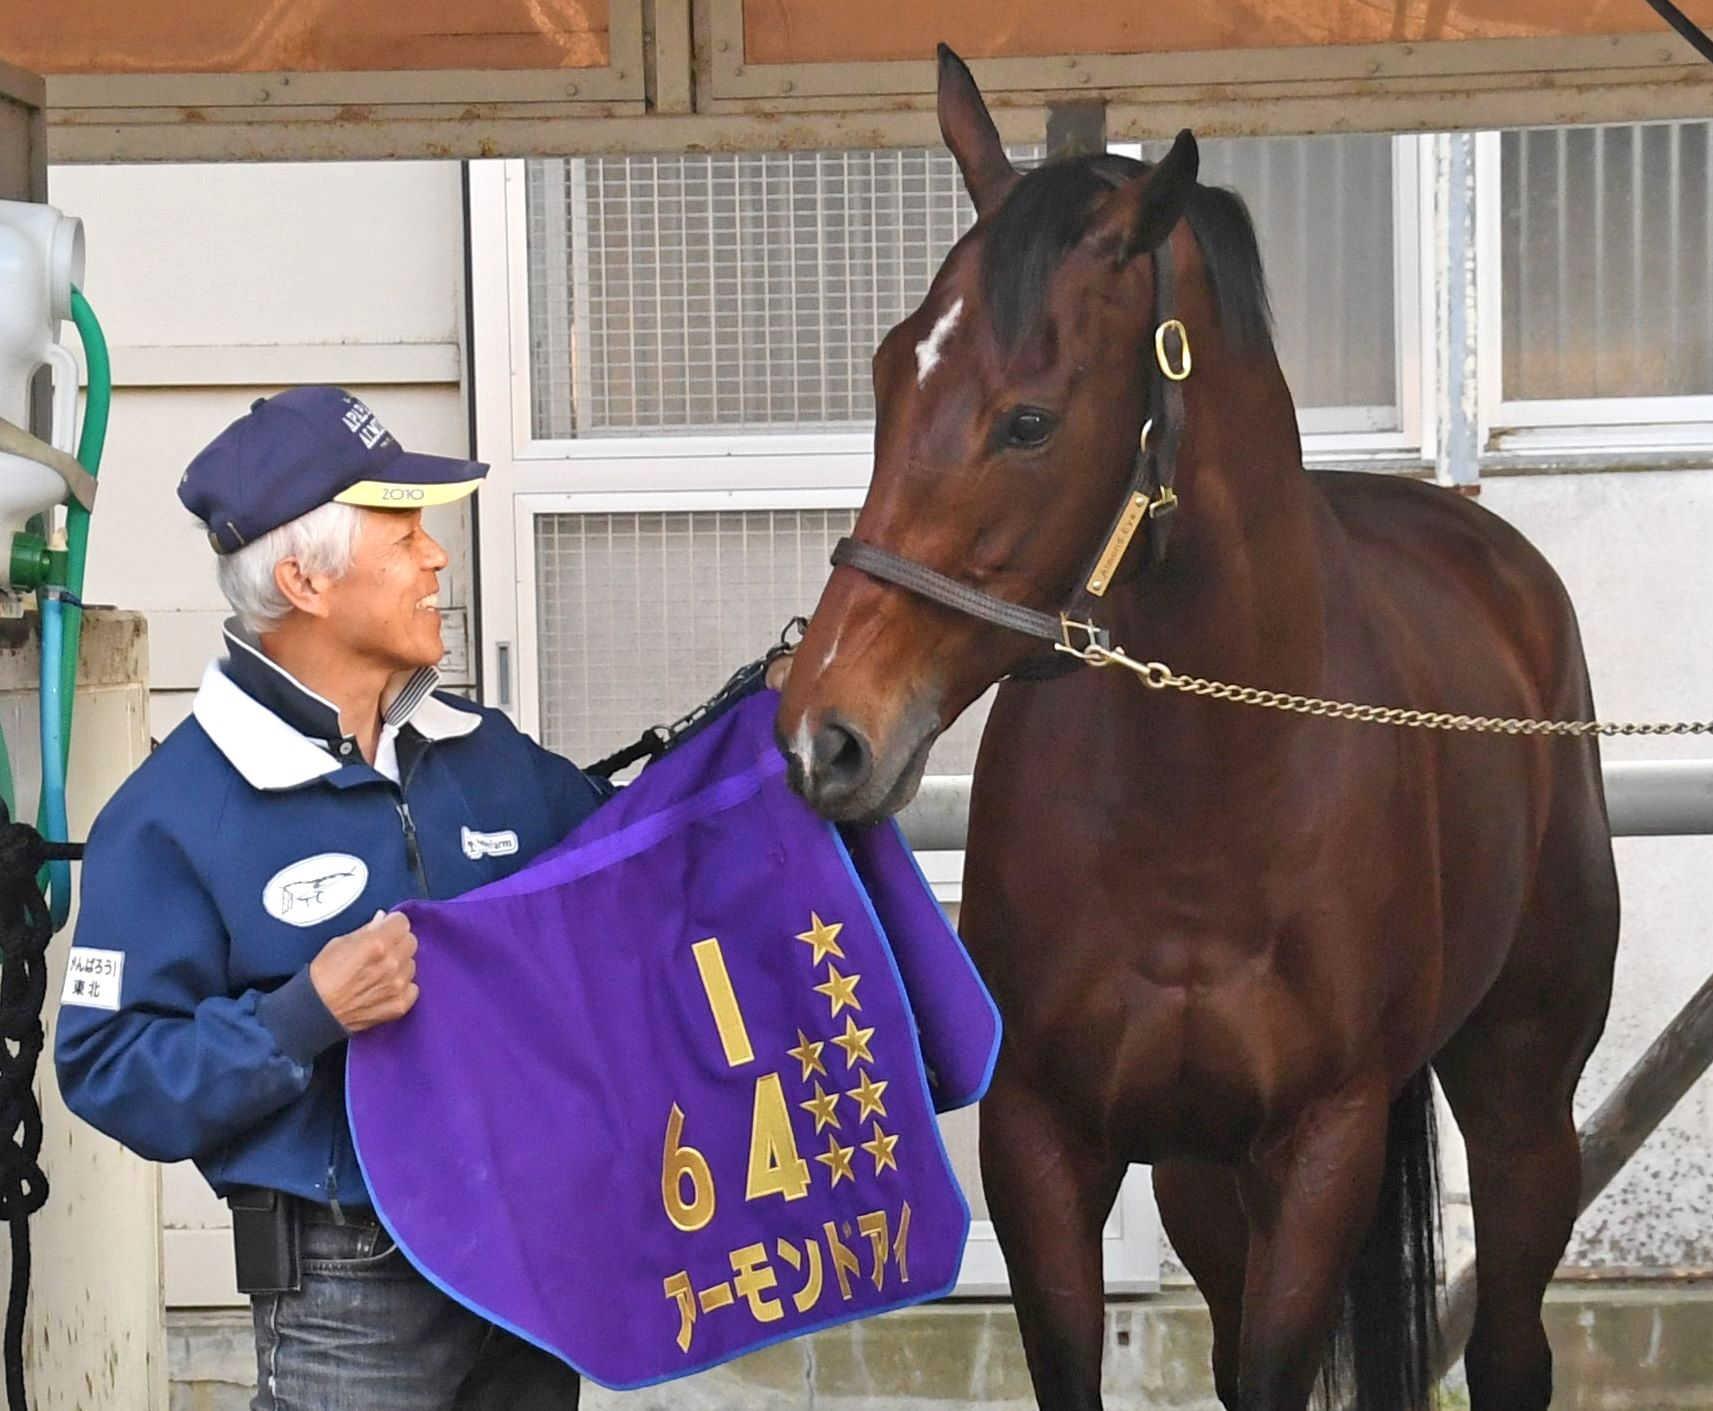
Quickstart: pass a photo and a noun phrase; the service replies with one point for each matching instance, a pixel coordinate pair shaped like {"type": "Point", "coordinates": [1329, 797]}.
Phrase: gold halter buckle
{"type": "Point", "coordinates": [1182, 371]}
{"type": "Point", "coordinates": [1090, 650]}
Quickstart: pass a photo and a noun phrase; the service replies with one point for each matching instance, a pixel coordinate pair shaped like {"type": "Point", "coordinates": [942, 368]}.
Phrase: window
{"type": "Point", "coordinates": [1329, 213]}
{"type": "Point", "coordinates": [746, 293]}
{"type": "Point", "coordinates": [638, 612]}
{"type": "Point", "coordinates": [726, 293]}
{"type": "Point", "coordinates": [1597, 247]}
{"type": "Point", "coordinates": [705, 313]}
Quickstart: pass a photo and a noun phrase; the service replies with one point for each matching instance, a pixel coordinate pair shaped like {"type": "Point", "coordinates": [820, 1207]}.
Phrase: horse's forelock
{"type": "Point", "coordinates": [1042, 220]}
{"type": "Point", "coordinates": [1051, 209]}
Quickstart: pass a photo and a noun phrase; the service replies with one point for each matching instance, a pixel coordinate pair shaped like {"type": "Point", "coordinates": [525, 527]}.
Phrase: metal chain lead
{"type": "Point", "coordinates": [1160, 677]}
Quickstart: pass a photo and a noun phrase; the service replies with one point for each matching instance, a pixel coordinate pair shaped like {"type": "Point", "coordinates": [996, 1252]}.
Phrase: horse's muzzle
{"type": "Point", "coordinates": [835, 768]}
{"type": "Point", "coordinates": [832, 767]}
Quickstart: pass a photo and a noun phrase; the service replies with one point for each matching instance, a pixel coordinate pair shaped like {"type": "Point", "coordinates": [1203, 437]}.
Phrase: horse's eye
{"type": "Point", "coordinates": [1029, 426]}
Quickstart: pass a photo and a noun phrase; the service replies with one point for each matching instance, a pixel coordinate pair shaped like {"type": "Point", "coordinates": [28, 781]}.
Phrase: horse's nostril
{"type": "Point", "coordinates": [841, 757]}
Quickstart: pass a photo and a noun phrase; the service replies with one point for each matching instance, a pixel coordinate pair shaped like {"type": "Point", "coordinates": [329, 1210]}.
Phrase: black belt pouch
{"type": "Point", "coordinates": [265, 1240]}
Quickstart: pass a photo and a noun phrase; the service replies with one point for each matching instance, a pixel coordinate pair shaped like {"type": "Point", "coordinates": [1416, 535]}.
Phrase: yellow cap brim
{"type": "Point", "coordinates": [393, 495]}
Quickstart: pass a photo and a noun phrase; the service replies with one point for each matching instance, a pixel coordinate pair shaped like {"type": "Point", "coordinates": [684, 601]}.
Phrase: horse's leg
{"type": "Point", "coordinates": [1510, 1076]}
{"type": "Point", "coordinates": [1049, 1192]}
{"type": "Point", "coordinates": [1524, 1170]}
{"type": "Point", "coordinates": [1202, 1213]}
{"type": "Point", "coordinates": [1310, 1195]}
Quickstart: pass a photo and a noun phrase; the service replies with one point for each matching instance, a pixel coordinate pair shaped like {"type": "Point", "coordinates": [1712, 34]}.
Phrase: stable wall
{"type": "Point", "coordinates": [1632, 549]}
{"type": "Point", "coordinates": [217, 285]}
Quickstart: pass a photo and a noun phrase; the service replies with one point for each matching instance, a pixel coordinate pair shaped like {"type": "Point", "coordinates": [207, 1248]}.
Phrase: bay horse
{"type": "Point", "coordinates": [1228, 942]}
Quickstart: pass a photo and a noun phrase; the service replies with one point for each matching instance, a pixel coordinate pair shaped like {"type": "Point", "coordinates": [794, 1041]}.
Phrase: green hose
{"type": "Point", "coordinates": [7, 792]}
{"type": "Point", "coordinates": [89, 448]}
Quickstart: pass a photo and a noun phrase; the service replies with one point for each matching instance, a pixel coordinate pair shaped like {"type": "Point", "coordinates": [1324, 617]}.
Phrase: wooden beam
{"type": "Point", "coordinates": [1076, 129]}
{"type": "Point", "coordinates": [308, 36]}
{"type": "Point", "coordinates": [23, 136]}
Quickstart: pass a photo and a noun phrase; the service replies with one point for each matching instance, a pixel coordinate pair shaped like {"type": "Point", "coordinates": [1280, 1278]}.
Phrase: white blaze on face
{"type": "Point", "coordinates": [803, 746]}
{"type": "Point", "coordinates": [928, 350]}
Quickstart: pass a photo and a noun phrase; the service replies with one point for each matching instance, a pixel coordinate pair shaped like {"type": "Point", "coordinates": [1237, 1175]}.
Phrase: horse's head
{"type": "Point", "coordinates": [1007, 410]}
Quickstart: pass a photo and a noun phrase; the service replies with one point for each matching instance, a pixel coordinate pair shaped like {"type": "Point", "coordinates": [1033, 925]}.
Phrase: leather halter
{"type": "Point", "coordinates": [1148, 504]}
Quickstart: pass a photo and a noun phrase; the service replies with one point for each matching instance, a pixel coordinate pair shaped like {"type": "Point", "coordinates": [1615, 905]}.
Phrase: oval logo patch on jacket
{"type": "Point", "coordinates": [312, 890]}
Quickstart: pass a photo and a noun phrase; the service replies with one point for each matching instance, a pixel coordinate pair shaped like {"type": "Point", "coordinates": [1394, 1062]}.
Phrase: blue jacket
{"type": "Point", "coordinates": [188, 1025]}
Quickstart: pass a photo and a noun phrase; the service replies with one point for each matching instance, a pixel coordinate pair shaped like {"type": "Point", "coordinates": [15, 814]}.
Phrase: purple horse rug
{"type": "Point", "coordinates": [668, 1094]}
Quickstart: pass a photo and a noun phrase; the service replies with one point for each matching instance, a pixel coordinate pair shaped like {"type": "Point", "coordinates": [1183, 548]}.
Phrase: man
{"type": "Point", "coordinates": [236, 890]}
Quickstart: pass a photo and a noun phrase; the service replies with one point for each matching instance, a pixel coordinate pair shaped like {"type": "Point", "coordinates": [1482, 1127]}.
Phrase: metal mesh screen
{"type": "Point", "coordinates": [1607, 261]}
{"type": "Point", "coordinates": [748, 292]}
{"type": "Point", "coordinates": [644, 616]}
{"type": "Point", "coordinates": [727, 292]}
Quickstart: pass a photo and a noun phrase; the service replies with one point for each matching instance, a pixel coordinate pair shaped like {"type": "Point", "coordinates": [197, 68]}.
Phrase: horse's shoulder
{"type": "Point", "coordinates": [1399, 509]}
{"type": "Point", "coordinates": [1418, 544]}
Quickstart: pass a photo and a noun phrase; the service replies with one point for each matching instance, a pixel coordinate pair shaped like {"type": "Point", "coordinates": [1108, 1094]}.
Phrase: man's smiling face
{"type": "Point", "coordinates": [386, 608]}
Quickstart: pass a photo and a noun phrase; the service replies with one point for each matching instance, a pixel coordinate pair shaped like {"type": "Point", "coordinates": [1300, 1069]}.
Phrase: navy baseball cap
{"type": "Point", "coordinates": [300, 450]}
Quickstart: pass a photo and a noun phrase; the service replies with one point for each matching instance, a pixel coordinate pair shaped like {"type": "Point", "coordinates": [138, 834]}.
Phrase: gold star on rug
{"type": "Point", "coordinates": [840, 989]}
{"type": "Point", "coordinates": [880, 1148]}
{"type": "Point", "coordinates": [837, 1159]}
{"type": "Point", "coordinates": [867, 1094]}
{"type": "Point", "coordinates": [821, 1106]}
{"type": "Point", "coordinates": [822, 938]}
{"type": "Point", "coordinates": [809, 1055]}
{"type": "Point", "coordinates": [854, 1042]}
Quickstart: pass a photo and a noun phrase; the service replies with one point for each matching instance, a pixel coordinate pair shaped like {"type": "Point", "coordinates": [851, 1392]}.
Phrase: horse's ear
{"type": "Point", "coordinates": [971, 135]}
{"type": "Point", "coordinates": [1143, 212]}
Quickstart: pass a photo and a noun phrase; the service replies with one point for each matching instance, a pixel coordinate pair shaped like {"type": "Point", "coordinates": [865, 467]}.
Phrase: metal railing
{"type": "Point", "coordinates": [1645, 798]}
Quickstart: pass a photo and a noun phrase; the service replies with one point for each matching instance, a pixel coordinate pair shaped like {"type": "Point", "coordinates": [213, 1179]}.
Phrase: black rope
{"type": "Point", "coordinates": [1692, 32]}
{"type": "Point", "coordinates": [25, 930]}
{"type": "Point", "coordinates": [658, 739]}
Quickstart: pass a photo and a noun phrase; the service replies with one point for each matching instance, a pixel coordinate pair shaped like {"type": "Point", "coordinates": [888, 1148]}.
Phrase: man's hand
{"type": "Point", "coordinates": [778, 671]}
{"type": "Point", "coordinates": [369, 976]}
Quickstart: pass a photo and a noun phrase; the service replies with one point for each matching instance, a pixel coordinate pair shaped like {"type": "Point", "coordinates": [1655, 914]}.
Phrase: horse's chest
{"type": "Point", "coordinates": [1190, 1055]}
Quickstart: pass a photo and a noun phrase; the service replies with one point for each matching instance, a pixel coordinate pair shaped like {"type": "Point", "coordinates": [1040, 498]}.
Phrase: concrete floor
{"type": "Point", "coordinates": [1618, 1347]}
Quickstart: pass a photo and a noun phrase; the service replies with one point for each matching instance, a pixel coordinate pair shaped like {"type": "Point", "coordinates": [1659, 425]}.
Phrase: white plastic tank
{"type": "Point", "coordinates": [41, 257]}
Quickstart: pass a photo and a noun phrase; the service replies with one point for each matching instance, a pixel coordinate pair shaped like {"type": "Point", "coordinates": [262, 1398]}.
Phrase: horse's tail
{"type": "Point", "coordinates": [1382, 1352]}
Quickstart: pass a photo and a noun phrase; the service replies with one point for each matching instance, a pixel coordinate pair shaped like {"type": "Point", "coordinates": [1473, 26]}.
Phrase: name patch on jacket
{"type": "Point", "coordinates": [480, 845]}
{"type": "Point", "coordinates": [700, 1118]}
{"type": "Point", "coordinates": [311, 890]}
{"type": "Point", "coordinates": [93, 977]}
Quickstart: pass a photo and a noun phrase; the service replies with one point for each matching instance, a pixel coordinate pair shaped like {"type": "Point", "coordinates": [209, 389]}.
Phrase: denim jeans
{"type": "Point", "coordinates": [366, 1332]}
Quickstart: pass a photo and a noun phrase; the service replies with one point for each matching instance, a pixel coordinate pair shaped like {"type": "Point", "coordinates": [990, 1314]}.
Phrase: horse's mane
{"type": "Point", "coordinates": [1048, 213]}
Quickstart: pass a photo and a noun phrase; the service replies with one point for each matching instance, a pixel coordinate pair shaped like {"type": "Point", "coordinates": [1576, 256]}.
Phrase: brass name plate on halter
{"type": "Point", "coordinates": [1135, 510]}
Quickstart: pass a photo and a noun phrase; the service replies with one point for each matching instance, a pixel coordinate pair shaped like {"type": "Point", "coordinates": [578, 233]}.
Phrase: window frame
{"type": "Point", "coordinates": [1524, 428]}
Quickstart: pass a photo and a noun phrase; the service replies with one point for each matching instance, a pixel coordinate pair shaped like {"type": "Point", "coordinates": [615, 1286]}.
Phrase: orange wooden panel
{"type": "Point", "coordinates": [833, 31]}
{"type": "Point", "coordinates": [302, 36]}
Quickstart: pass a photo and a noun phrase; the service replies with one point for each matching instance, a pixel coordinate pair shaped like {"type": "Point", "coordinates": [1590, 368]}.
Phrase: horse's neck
{"type": "Point", "coordinates": [1241, 594]}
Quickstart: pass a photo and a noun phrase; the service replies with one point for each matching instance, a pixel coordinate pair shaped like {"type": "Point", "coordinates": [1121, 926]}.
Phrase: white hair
{"type": "Point", "coordinates": [322, 541]}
